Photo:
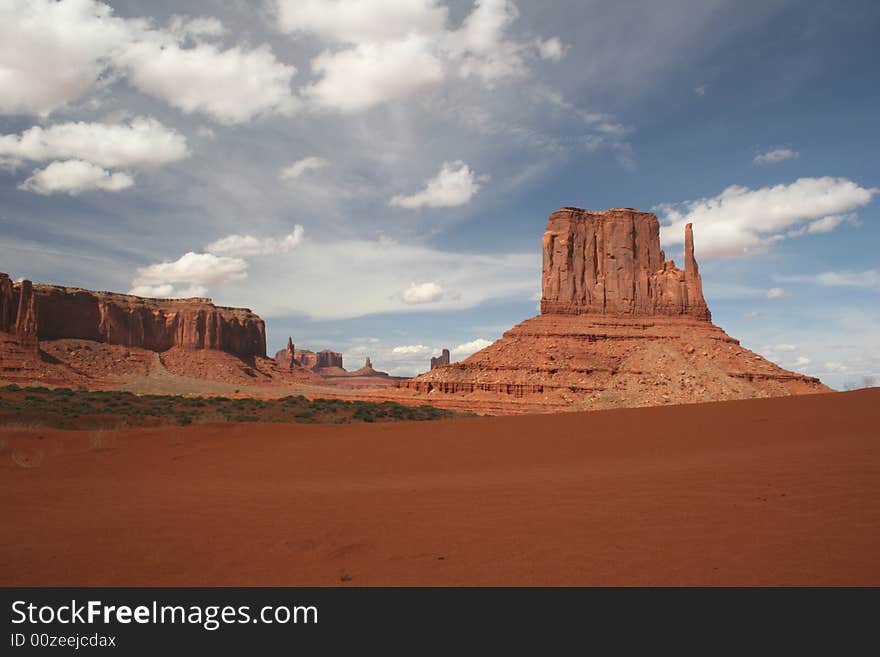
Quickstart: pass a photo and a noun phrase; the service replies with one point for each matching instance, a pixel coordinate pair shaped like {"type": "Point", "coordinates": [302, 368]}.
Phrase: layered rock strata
{"type": "Point", "coordinates": [620, 326]}
{"type": "Point", "coordinates": [153, 324]}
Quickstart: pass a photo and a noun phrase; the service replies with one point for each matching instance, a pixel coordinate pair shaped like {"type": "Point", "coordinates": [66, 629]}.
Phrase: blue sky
{"type": "Point", "coordinates": [374, 176]}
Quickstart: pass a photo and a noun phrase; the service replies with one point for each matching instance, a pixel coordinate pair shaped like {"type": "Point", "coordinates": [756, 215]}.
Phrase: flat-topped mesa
{"type": "Point", "coordinates": [322, 359]}
{"type": "Point", "coordinates": [611, 263]}
{"type": "Point", "coordinates": [54, 312]}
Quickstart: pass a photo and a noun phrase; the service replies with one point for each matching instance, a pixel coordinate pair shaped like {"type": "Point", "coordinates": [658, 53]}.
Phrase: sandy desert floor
{"type": "Point", "coordinates": [760, 492]}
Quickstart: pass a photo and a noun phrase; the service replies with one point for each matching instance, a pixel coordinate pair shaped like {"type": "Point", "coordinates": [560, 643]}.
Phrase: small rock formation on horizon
{"type": "Point", "coordinates": [319, 360]}
{"type": "Point", "coordinates": [442, 359]}
{"type": "Point", "coordinates": [619, 326]}
{"type": "Point", "coordinates": [367, 370]}
{"type": "Point", "coordinates": [325, 363]}
{"type": "Point", "coordinates": [286, 358]}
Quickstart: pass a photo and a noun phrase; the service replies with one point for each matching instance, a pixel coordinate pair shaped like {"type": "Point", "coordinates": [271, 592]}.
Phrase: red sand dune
{"type": "Point", "coordinates": [781, 491]}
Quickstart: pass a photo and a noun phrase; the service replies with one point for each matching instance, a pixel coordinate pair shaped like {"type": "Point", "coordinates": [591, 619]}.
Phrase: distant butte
{"type": "Point", "coordinates": [620, 325]}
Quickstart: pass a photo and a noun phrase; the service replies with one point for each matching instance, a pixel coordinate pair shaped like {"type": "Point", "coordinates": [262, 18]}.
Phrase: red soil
{"type": "Point", "coordinates": [782, 491]}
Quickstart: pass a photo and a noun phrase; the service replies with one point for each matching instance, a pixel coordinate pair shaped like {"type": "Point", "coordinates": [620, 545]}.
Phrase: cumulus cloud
{"type": "Point", "coordinates": [168, 291]}
{"type": "Point", "coordinates": [412, 349]}
{"type": "Point", "coordinates": [372, 73]}
{"type": "Point", "coordinates": [191, 269]}
{"type": "Point", "coordinates": [393, 49]}
{"type": "Point", "coordinates": [419, 293]}
{"type": "Point", "coordinates": [248, 245]}
{"type": "Point", "coordinates": [356, 21]}
{"type": "Point", "coordinates": [829, 223]}
{"type": "Point", "coordinates": [776, 293]}
{"type": "Point", "coordinates": [455, 184]}
{"type": "Point", "coordinates": [231, 86]}
{"type": "Point", "coordinates": [801, 361]}
{"type": "Point", "coordinates": [772, 157]}
{"type": "Point", "coordinates": [298, 168]}
{"type": "Point", "coordinates": [742, 221]}
{"type": "Point", "coordinates": [468, 348]}
{"type": "Point", "coordinates": [53, 53]}
{"type": "Point", "coordinates": [75, 176]}
{"type": "Point", "coordinates": [140, 142]}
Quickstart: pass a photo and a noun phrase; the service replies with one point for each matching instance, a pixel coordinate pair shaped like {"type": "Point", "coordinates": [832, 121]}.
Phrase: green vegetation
{"type": "Point", "coordinates": [80, 409]}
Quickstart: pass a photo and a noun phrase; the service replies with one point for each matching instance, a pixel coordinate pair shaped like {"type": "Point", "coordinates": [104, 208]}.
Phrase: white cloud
{"type": "Point", "coordinates": [302, 166]}
{"type": "Point", "coordinates": [231, 86]}
{"type": "Point", "coordinates": [394, 49]}
{"type": "Point", "coordinates": [829, 223]}
{"type": "Point", "coordinates": [742, 221]}
{"type": "Point", "coordinates": [455, 184]}
{"type": "Point", "coordinates": [373, 73]}
{"type": "Point", "coordinates": [468, 348]}
{"type": "Point", "coordinates": [776, 293]}
{"type": "Point", "coordinates": [169, 291]}
{"type": "Point", "coordinates": [772, 157]}
{"type": "Point", "coordinates": [53, 53]}
{"type": "Point", "coordinates": [357, 21]}
{"type": "Point", "coordinates": [801, 361]}
{"type": "Point", "coordinates": [755, 314]}
{"type": "Point", "coordinates": [552, 49]}
{"type": "Point", "coordinates": [194, 269]}
{"type": "Point", "coordinates": [412, 349]}
{"type": "Point", "coordinates": [419, 293]}
{"type": "Point", "coordinates": [701, 90]}
{"type": "Point", "coordinates": [141, 142]}
{"type": "Point", "coordinates": [75, 176]}
{"type": "Point", "coordinates": [248, 245]}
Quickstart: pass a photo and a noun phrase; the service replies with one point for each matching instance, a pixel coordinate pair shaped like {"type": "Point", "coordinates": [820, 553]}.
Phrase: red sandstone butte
{"type": "Point", "coordinates": [610, 262]}
{"type": "Point", "coordinates": [620, 326]}
{"type": "Point", "coordinates": [322, 360]}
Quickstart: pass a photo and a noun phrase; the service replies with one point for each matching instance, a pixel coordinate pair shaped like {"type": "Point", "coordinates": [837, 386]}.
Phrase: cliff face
{"type": "Point", "coordinates": [52, 312]}
{"type": "Point", "coordinates": [321, 359]}
{"type": "Point", "coordinates": [155, 324]}
{"type": "Point", "coordinates": [18, 313]}
{"type": "Point", "coordinates": [610, 263]}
